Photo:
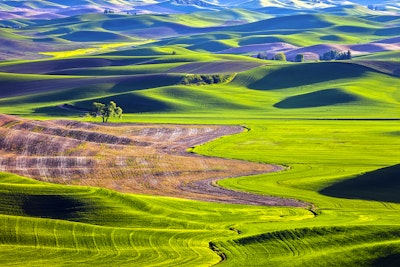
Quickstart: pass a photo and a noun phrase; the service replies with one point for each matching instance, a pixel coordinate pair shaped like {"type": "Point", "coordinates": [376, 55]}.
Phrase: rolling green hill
{"type": "Point", "coordinates": [331, 127]}
{"type": "Point", "coordinates": [52, 224]}
{"type": "Point", "coordinates": [327, 89]}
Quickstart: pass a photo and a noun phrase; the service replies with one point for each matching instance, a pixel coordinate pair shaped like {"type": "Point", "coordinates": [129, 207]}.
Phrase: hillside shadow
{"type": "Point", "coordinates": [52, 66]}
{"type": "Point", "coordinates": [331, 37]}
{"type": "Point", "coordinates": [53, 111]}
{"type": "Point", "coordinates": [295, 22]}
{"type": "Point", "coordinates": [210, 46]}
{"type": "Point", "coordinates": [142, 82]}
{"type": "Point", "coordinates": [304, 74]}
{"type": "Point", "coordinates": [251, 39]}
{"type": "Point", "coordinates": [321, 98]}
{"type": "Point", "coordinates": [93, 36]}
{"type": "Point", "coordinates": [393, 259]}
{"type": "Point", "coordinates": [390, 31]}
{"type": "Point", "coordinates": [379, 185]}
{"type": "Point", "coordinates": [52, 206]}
{"type": "Point", "coordinates": [130, 103]}
{"type": "Point", "coordinates": [353, 29]}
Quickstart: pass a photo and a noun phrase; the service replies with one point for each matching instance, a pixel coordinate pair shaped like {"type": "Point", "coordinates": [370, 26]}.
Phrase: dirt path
{"type": "Point", "coordinates": [210, 187]}
{"type": "Point", "coordinates": [215, 193]}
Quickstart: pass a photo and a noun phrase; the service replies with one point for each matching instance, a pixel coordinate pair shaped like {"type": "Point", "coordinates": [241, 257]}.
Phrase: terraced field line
{"type": "Point", "coordinates": [133, 247]}
{"type": "Point", "coordinates": [112, 237]}
{"type": "Point", "coordinates": [94, 242]}
{"type": "Point", "coordinates": [35, 231]}
{"type": "Point", "coordinates": [17, 229]}
{"type": "Point", "coordinates": [76, 245]}
{"type": "Point", "coordinates": [154, 247]}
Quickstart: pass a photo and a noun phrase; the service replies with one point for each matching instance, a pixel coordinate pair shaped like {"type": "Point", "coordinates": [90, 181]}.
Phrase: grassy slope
{"type": "Point", "coordinates": [315, 90]}
{"type": "Point", "coordinates": [51, 224]}
{"type": "Point", "coordinates": [318, 154]}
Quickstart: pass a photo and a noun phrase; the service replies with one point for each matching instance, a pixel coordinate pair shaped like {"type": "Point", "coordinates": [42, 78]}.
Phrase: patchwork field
{"type": "Point", "coordinates": [223, 155]}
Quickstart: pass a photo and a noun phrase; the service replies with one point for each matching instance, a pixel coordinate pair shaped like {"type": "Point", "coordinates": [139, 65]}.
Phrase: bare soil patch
{"type": "Point", "coordinates": [134, 158]}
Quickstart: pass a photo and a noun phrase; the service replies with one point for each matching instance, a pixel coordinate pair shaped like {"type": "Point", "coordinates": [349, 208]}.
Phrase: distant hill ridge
{"type": "Point", "coordinates": [50, 9]}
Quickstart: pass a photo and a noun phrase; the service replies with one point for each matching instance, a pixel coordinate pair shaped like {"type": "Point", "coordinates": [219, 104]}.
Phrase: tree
{"type": "Point", "coordinates": [330, 55]}
{"type": "Point", "coordinates": [349, 56]}
{"type": "Point", "coordinates": [280, 56]}
{"type": "Point", "coordinates": [335, 55]}
{"type": "Point", "coordinates": [108, 11]}
{"type": "Point", "coordinates": [262, 55]}
{"type": "Point", "coordinates": [106, 111]}
{"type": "Point", "coordinates": [299, 58]}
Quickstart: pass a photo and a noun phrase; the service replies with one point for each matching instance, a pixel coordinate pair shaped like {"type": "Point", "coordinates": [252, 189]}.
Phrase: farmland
{"type": "Point", "coordinates": [221, 158]}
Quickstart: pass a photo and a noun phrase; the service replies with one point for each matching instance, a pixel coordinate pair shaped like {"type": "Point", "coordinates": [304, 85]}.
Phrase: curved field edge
{"type": "Point", "coordinates": [317, 153]}
{"type": "Point", "coordinates": [318, 164]}
{"type": "Point", "coordinates": [130, 158]}
{"type": "Point", "coordinates": [354, 232]}
{"type": "Point", "coordinates": [321, 246]}
{"type": "Point", "coordinates": [103, 227]}
{"type": "Point", "coordinates": [321, 154]}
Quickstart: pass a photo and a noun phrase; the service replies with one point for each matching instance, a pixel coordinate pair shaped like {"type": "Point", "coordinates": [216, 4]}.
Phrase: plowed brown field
{"type": "Point", "coordinates": [134, 158]}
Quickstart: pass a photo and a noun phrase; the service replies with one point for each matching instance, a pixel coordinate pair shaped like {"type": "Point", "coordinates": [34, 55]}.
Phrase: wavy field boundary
{"type": "Point", "coordinates": [102, 227]}
{"type": "Point", "coordinates": [130, 158]}
{"type": "Point", "coordinates": [99, 226]}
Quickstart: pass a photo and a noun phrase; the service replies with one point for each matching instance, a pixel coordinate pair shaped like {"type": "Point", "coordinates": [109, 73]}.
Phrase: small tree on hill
{"type": "Point", "coordinates": [280, 56]}
{"type": "Point", "coordinates": [349, 56]}
{"type": "Point", "coordinates": [106, 111]}
{"type": "Point", "coordinates": [108, 11]}
{"type": "Point", "coordinates": [299, 58]}
{"type": "Point", "coordinates": [262, 55]}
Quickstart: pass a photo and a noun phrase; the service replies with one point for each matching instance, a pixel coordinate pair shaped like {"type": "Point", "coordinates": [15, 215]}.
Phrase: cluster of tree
{"type": "Point", "coordinates": [372, 7]}
{"type": "Point", "coordinates": [202, 79]}
{"type": "Point", "coordinates": [278, 56]}
{"type": "Point", "coordinates": [299, 58]}
{"type": "Point", "coordinates": [262, 55]}
{"type": "Point", "coordinates": [335, 55]}
{"type": "Point", "coordinates": [108, 11]}
{"type": "Point", "coordinates": [106, 111]}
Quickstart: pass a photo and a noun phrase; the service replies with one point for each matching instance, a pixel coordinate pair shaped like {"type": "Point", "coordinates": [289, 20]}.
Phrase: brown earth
{"type": "Point", "coordinates": [132, 158]}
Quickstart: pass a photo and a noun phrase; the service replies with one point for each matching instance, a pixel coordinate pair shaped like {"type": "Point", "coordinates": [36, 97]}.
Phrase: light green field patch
{"type": "Point", "coordinates": [98, 49]}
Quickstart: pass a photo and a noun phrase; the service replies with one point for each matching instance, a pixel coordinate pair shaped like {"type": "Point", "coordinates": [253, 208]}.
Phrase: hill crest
{"type": "Point", "coordinates": [36, 9]}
